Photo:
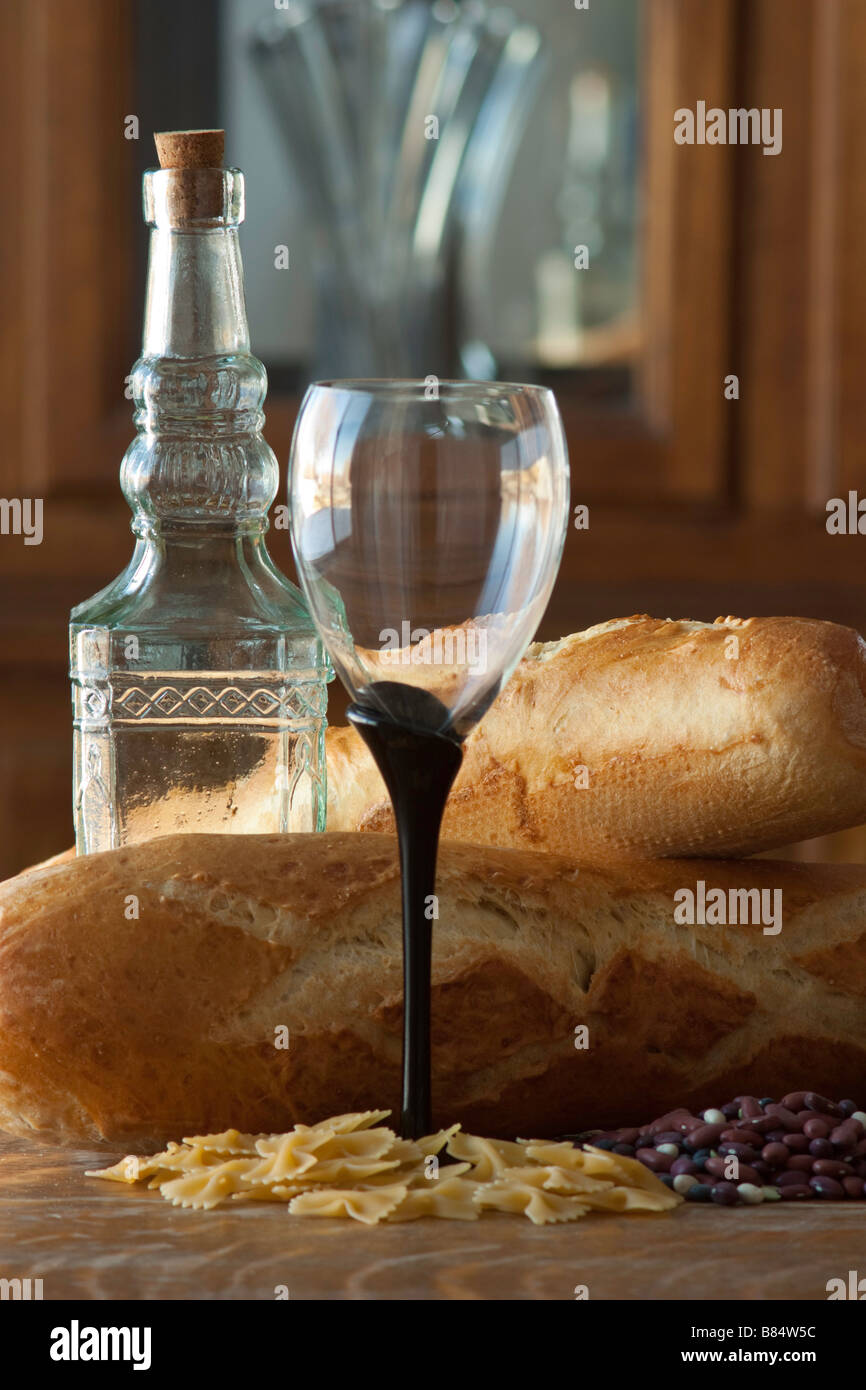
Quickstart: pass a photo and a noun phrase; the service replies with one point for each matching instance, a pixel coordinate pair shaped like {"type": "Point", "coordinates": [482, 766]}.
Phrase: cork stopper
{"type": "Point", "coordinates": [195, 157]}
{"type": "Point", "coordinates": [190, 149]}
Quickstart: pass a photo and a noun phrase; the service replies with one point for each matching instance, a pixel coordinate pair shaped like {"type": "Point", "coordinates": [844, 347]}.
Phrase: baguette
{"type": "Point", "coordinates": [655, 739]}
{"type": "Point", "coordinates": [139, 1031]}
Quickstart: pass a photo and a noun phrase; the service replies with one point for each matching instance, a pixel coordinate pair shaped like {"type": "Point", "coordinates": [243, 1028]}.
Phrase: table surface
{"type": "Point", "coordinates": [88, 1239]}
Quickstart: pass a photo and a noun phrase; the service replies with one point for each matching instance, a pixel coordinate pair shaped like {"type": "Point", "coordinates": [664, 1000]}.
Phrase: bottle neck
{"type": "Point", "coordinates": [199, 459]}
{"type": "Point", "coordinates": [195, 293]}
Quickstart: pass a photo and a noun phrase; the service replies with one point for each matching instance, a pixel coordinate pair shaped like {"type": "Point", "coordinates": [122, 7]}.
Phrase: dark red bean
{"type": "Point", "coordinates": [854, 1187]}
{"type": "Point", "coordinates": [731, 1110]}
{"type": "Point", "coordinates": [744, 1152]}
{"type": "Point", "coordinates": [715, 1167]}
{"type": "Point", "coordinates": [776, 1155]}
{"type": "Point", "coordinates": [748, 1174]}
{"type": "Point", "coordinates": [674, 1119]}
{"type": "Point", "coordinates": [667, 1136]}
{"type": "Point", "coordinates": [827, 1187]}
{"type": "Point", "coordinates": [797, 1143]}
{"type": "Point", "coordinates": [725, 1193]}
{"type": "Point", "coordinates": [763, 1125]}
{"type": "Point", "coordinates": [860, 1167]}
{"type": "Point", "coordinates": [795, 1194]}
{"type": "Point", "coordinates": [830, 1168]}
{"type": "Point", "coordinates": [820, 1148]}
{"type": "Point", "coordinates": [626, 1150]}
{"type": "Point", "coordinates": [860, 1149]}
{"type": "Point", "coordinates": [762, 1169]}
{"type": "Point", "coordinates": [847, 1135]}
{"type": "Point", "coordinates": [693, 1122]}
{"type": "Point", "coordinates": [816, 1128]}
{"type": "Point", "coordinates": [644, 1140]}
{"type": "Point", "coordinates": [751, 1107]}
{"type": "Point", "coordinates": [706, 1136]}
{"type": "Point", "coordinates": [795, 1100]}
{"type": "Point", "coordinates": [775, 1136]}
{"type": "Point", "coordinates": [683, 1165]}
{"type": "Point", "coordinates": [812, 1101]}
{"type": "Point", "coordinates": [848, 1107]}
{"type": "Point", "coordinates": [658, 1163]}
{"type": "Point", "coordinates": [627, 1136]}
{"type": "Point", "coordinates": [787, 1119]}
{"type": "Point", "coordinates": [801, 1163]}
{"type": "Point", "coordinates": [789, 1178]}
{"type": "Point", "coordinates": [743, 1136]}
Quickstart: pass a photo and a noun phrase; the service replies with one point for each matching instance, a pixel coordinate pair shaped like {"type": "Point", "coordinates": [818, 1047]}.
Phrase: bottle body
{"type": "Point", "coordinates": [184, 727]}
{"type": "Point", "coordinates": [198, 679]}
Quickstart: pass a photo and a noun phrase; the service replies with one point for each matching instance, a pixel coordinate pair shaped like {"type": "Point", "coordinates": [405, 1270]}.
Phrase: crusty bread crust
{"type": "Point", "coordinates": [138, 1031]}
{"type": "Point", "coordinates": [688, 748]}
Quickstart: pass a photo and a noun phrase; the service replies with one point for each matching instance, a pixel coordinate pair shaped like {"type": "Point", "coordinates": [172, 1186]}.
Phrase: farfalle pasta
{"type": "Point", "coordinates": [352, 1166]}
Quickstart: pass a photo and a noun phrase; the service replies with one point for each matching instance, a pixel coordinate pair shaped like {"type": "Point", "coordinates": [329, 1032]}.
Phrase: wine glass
{"type": "Point", "coordinates": [428, 519]}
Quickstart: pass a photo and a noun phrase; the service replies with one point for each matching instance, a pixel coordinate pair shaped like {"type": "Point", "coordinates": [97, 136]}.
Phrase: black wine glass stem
{"type": "Point", "coordinates": [418, 769]}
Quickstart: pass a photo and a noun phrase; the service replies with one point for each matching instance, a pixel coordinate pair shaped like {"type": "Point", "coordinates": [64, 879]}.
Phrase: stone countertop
{"type": "Point", "coordinates": [88, 1239]}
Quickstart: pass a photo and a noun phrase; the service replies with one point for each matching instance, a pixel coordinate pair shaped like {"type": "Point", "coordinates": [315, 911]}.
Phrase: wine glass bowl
{"type": "Point", "coordinates": [428, 520]}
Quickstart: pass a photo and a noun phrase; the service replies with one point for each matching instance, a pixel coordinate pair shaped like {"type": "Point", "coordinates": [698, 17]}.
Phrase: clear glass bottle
{"type": "Point", "coordinates": [198, 681]}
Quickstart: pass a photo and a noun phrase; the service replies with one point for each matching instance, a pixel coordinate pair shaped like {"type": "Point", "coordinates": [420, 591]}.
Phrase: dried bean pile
{"type": "Point", "coordinates": [800, 1148]}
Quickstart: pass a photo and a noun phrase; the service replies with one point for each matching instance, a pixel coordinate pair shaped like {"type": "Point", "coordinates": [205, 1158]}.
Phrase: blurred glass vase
{"type": "Point", "coordinates": [397, 115]}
